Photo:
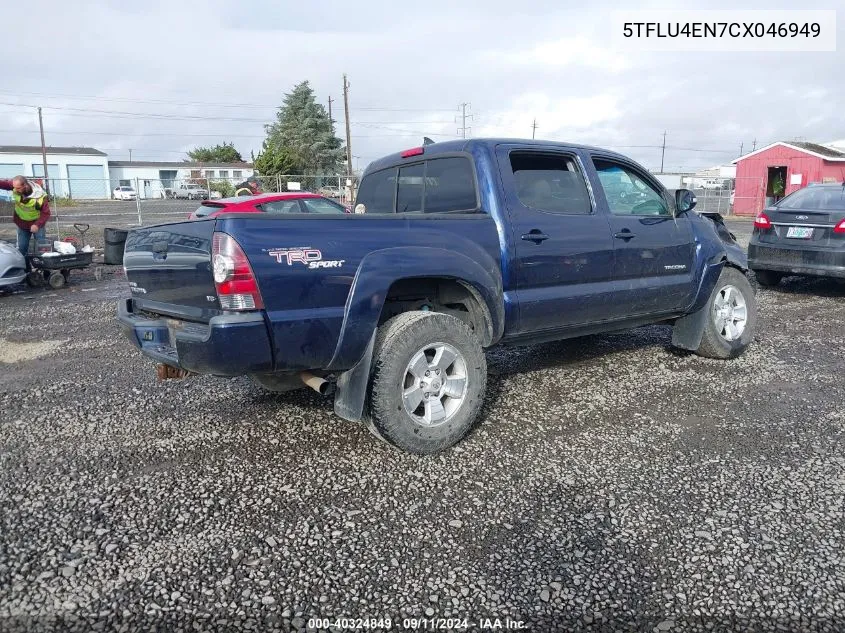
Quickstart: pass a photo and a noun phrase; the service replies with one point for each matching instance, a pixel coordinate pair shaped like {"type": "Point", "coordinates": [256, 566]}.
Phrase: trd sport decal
{"type": "Point", "coordinates": [310, 257]}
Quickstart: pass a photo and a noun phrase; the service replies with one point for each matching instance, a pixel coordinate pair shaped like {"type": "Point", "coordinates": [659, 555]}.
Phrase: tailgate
{"type": "Point", "coordinates": [169, 269]}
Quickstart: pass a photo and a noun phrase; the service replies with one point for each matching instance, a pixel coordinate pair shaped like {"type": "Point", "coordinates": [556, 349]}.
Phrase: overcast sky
{"type": "Point", "coordinates": [409, 66]}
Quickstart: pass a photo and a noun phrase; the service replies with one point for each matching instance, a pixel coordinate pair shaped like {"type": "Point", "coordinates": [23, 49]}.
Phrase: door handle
{"type": "Point", "coordinates": [625, 234]}
{"type": "Point", "coordinates": [535, 236]}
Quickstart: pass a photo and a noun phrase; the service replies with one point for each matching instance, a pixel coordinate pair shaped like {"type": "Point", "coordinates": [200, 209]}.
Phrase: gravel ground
{"type": "Point", "coordinates": [612, 485]}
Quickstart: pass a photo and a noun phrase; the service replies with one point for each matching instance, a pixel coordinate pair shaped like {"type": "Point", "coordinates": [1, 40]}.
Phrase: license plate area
{"type": "Point", "coordinates": [799, 232]}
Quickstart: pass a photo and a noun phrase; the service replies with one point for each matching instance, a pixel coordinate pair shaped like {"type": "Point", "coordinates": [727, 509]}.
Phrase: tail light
{"type": "Point", "coordinates": [416, 151]}
{"type": "Point", "coordinates": [840, 226]}
{"type": "Point", "coordinates": [762, 221]}
{"type": "Point", "coordinates": [237, 288]}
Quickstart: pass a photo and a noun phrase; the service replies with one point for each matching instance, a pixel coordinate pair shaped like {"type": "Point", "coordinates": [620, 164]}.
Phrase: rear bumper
{"type": "Point", "coordinates": [228, 345]}
{"type": "Point", "coordinates": [797, 261]}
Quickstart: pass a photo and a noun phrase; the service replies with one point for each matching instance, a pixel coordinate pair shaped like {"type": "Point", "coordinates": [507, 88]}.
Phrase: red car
{"type": "Point", "coordinates": [290, 202]}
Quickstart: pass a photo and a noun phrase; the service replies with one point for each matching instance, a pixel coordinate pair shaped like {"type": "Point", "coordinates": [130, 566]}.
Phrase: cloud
{"type": "Point", "coordinates": [556, 117]}
{"type": "Point", "coordinates": [557, 54]}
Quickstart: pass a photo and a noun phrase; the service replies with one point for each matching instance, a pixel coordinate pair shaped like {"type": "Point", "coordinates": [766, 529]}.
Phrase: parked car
{"type": "Point", "coordinates": [189, 191]}
{"type": "Point", "coordinates": [12, 265]}
{"type": "Point", "coordinates": [298, 202]}
{"type": "Point", "coordinates": [459, 246]}
{"type": "Point", "coordinates": [331, 192]}
{"type": "Point", "coordinates": [124, 193]}
{"type": "Point", "coordinates": [801, 234]}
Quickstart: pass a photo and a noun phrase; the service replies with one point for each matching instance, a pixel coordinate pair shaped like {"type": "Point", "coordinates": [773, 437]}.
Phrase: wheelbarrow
{"type": "Point", "coordinates": [54, 268]}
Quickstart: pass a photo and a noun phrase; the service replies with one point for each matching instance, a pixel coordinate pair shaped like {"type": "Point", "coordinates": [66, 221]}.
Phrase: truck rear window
{"type": "Point", "coordinates": [438, 185]}
{"type": "Point", "coordinates": [550, 182]}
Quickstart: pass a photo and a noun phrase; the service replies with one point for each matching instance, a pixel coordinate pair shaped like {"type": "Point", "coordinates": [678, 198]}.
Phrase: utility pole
{"type": "Point", "coordinates": [663, 151]}
{"type": "Point", "coordinates": [348, 135]}
{"type": "Point", "coordinates": [43, 153]}
{"type": "Point", "coordinates": [741, 145]}
{"type": "Point", "coordinates": [464, 116]}
{"type": "Point", "coordinates": [330, 109]}
{"type": "Point", "coordinates": [533, 128]}
{"type": "Point", "coordinates": [754, 145]}
{"type": "Point", "coordinates": [130, 154]}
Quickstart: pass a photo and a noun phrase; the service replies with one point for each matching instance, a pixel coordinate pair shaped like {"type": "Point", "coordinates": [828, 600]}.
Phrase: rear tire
{"type": "Point", "coordinates": [768, 278]}
{"type": "Point", "coordinates": [427, 384]}
{"type": "Point", "coordinates": [731, 317]}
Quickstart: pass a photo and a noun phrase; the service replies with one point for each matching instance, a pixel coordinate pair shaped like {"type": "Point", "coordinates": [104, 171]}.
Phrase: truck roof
{"type": "Point", "coordinates": [466, 145]}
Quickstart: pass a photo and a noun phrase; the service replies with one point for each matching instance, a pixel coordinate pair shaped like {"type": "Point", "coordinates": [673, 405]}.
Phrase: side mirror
{"type": "Point", "coordinates": [685, 200]}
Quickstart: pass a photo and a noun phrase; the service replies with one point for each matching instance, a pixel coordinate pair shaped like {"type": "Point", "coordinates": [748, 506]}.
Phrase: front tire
{"type": "Point", "coordinates": [427, 384]}
{"type": "Point", "coordinates": [768, 278]}
{"type": "Point", "coordinates": [731, 318]}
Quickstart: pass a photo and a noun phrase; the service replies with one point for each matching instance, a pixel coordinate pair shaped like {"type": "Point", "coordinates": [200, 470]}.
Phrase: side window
{"type": "Point", "coordinates": [409, 194]}
{"type": "Point", "coordinates": [320, 205]}
{"type": "Point", "coordinates": [627, 193]}
{"type": "Point", "coordinates": [281, 206]}
{"type": "Point", "coordinates": [550, 182]}
{"type": "Point", "coordinates": [449, 185]}
{"type": "Point", "coordinates": [376, 192]}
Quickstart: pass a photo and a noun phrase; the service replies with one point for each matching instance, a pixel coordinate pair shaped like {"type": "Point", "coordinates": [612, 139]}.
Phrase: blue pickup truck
{"type": "Point", "coordinates": [453, 247]}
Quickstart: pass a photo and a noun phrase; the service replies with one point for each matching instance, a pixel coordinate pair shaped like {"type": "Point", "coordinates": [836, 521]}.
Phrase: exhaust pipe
{"type": "Point", "coordinates": [320, 385]}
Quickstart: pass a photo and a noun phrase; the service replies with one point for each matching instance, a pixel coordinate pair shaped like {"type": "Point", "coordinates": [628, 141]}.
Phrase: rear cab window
{"type": "Point", "coordinates": [435, 185]}
{"type": "Point", "coordinates": [550, 182]}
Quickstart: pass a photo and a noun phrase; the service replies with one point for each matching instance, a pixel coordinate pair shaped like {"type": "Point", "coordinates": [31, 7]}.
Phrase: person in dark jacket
{"type": "Point", "coordinates": [249, 187]}
{"type": "Point", "coordinates": [32, 210]}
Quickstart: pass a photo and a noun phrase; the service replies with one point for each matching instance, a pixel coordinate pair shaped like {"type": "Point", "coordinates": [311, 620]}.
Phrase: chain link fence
{"type": "Point", "coordinates": [726, 196]}
{"type": "Point", "coordinates": [144, 201]}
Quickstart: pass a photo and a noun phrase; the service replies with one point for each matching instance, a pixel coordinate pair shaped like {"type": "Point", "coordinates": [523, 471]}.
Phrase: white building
{"type": "Point", "coordinates": [151, 178]}
{"type": "Point", "coordinates": [78, 172]}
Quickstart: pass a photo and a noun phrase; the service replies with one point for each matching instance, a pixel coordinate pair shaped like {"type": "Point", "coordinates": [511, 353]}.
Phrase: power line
{"type": "Point", "coordinates": [191, 135]}
{"type": "Point", "coordinates": [200, 103]}
{"type": "Point", "coordinates": [69, 111]}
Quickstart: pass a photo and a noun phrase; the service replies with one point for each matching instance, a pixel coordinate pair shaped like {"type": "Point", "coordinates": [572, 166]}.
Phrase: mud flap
{"type": "Point", "coordinates": [688, 330]}
{"type": "Point", "coordinates": [352, 386]}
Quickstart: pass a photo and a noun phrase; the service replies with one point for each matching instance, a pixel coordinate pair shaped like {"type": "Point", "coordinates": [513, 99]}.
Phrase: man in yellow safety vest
{"type": "Point", "coordinates": [32, 209]}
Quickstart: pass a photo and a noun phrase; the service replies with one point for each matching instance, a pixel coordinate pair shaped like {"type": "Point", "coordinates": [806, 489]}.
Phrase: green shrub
{"type": "Point", "coordinates": [226, 188]}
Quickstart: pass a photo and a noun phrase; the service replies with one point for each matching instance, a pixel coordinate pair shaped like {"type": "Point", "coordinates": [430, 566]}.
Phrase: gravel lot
{"type": "Point", "coordinates": [613, 484]}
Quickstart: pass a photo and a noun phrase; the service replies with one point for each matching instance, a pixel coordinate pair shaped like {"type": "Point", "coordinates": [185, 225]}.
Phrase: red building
{"type": "Point", "coordinates": [774, 171]}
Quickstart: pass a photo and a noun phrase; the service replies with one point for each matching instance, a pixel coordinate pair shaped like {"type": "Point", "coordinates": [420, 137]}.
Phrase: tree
{"type": "Point", "coordinates": [225, 153]}
{"type": "Point", "coordinates": [273, 160]}
{"type": "Point", "coordinates": [302, 134]}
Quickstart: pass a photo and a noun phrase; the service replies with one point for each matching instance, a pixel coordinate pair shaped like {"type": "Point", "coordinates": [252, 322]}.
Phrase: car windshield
{"type": "Point", "coordinates": [126, 188]}
{"type": "Point", "coordinates": [821, 198]}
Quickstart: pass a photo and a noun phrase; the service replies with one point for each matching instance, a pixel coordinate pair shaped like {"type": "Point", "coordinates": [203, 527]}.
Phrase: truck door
{"type": "Point", "coordinates": [562, 247]}
{"type": "Point", "coordinates": [653, 267]}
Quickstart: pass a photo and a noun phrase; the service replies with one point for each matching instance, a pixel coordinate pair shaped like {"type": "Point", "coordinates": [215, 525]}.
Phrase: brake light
{"type": "Point", "coordinates": [840, 227]}
{"type": "Point", "coordinates": [762, 221]}
{"type": "Point", "coordinates": [237, 288]}
{"type": "Point", "coordinates": [416, 151]}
